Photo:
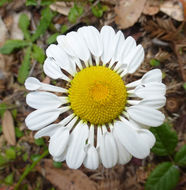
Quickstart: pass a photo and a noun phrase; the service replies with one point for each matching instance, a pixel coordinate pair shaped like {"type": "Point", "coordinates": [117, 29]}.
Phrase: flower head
{"type": "Point", "coordinates": [104, 120]}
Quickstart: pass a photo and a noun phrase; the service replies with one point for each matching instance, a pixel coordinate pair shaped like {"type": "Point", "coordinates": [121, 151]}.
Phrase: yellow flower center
{"type": "Point", "coordinates": [97, 95]}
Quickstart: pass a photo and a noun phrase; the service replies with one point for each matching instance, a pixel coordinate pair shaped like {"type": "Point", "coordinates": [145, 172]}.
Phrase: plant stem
{"type": "Point", "coordinates": [29, 169]}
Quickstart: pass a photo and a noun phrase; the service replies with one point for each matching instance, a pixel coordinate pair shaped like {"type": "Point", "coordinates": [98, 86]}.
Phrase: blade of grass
{"type": "Point", "coordinates": [29, 168]}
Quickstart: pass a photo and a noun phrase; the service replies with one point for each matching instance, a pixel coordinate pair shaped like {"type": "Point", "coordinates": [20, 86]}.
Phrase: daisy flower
{"type": "Point", "coordinates": [103, 119]}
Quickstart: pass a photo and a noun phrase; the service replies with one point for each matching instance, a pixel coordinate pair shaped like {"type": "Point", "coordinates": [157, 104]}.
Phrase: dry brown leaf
{"type": "Point", "coordinates": [151, 7]}
{"type": "Point", "coordinates": [128, 12]}
{"type": "Point", "coordinates": [65, 179]}
{"type": "Point", "coordinates": [3, 32]}
{"type": "Point", "coordinates": [173, 9]}
{"type": "Point", "coordinates": [8, 128]}
{"type": "Point", "coordinates": [184, 7]}
{"type": "Point", "coordinates": [61, 7]}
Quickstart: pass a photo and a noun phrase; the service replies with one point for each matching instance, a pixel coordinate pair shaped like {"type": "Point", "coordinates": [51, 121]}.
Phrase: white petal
{"type": "Point", "coordinates": [47, 131]}
{"type": "Point", "coordinates": [32, 83]}
{"type": "Point", "coordinates": [154, 75]}
{"type": "Point", "coordinates": [118, 44]}
{"type": "Point", "coordinates": [92, 38]}
{"type": "Point", "coordinates": [146, 115]}
{"type": "Point", "coordinates": [74, 45]}
{"type": "Point", "coordinates": [150, 89]}
{"type": "Point", "coordinates": [107, 37]}
{"type": "Point", "coordinates": [91, 160]}
{"type": "Point", "coordinates": [76, 153]}
{"type": "Point", "coordinates": [39, 100]}
{"type": "Point", "coordinates": [123, 155]}
{"type": "Point", "coordinates": [108, 150]}
{"type": "Point", "coordinates": [58, 142]}
{"type": "Point", "coordinates": [52, 70]}
{"type": "Point", "coordinates": [134, 59]}
{"type": "Point", "coordinates": [154, 102]}
{"type": "Point", "coordinates": [42, 117]}
{"type": "Point", "coordinates": [130, 139]}
{"type": "Point", "coordinates": [60, 158]}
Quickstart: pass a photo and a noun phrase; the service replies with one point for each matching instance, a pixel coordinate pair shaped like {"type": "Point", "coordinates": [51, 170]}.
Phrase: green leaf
{"type": "Point", "coordinates": [166, 140]}
{"type": "Point", "coordinates": [64, 28]}
{"type": "Point", "coordinates": [18, 132]}
{"type": "Point", "coordinates": [164, 177]}
{"type": "Point", "coordinates": [14, 113]}
{"type": "Point", "coordinates": [98, 10]}
{"type": "Point", "coordinates": [11, 45]}
{"type": "Point", "coordinates": [38, 54]}
{"type": "Point", "coordinates": [52, 38]}
{"type": "Point", "coordinates": [57, 164]}
{"type": "Point", "coordinates": [154, 62]}
{"type": "Point", "coordinates": [35, 157]}
{"type": "Point", "coordinates": [180, 157]}
{"type": "Point", "coordinates": [40, 142]}
{"type": "Point", "coordinates": [47, 2]}
{"type": "Point", "coordinates": [184, 86]}
{"type": "Point", "coordinates": [74, 13]}
{"type": "Point", "coordinates": [25, 66]}
{"type": "Point", "coordinates": [3, 160]}
{"type": "Point", "coordinates": [2, 2]}
{"type": "Point", "coordinates": [31, 2]}
{"type": "Point", "coordinates": [10, 153]}
{"type": "Point", "coordinates": [24, 24]}
{"type": "Point", "coordinates": [9, 179]}
{"type": "Point", "coordinates": [46, 18]}
{"type": "Point", "coordinates": [3, 108]}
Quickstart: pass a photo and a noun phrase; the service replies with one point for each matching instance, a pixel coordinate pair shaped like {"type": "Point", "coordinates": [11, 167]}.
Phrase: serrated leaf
{"type": "Point", "coordinates": [24, 24]}
{"type": "Point", "coordinates": [164, 177]}
{"type": "Point", "coordinates": [31, 2]}
{"type": "Point", "coordinates": [180, 157]}
{"type": "Point", "coordinates": [46, 18]}
{"type": "Point", "coordinates": [38, 54]}
{"type": "Point", "coordinates": [75, 12]}
{"type": "Point", "coordinates": [11, 45]}
{"type": "Point", "coordinates": [25, 66]}
{"type": "Point", "coordinates": [166, 140]}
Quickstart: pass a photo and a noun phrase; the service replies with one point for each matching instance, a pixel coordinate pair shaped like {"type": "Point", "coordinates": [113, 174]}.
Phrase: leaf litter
{"type": "Point", "coordinates": [157, 24]}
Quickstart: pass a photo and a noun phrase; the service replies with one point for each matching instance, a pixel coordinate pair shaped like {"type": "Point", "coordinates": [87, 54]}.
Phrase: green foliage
{"type": "Point", "coordinates": [25, 66]}
{"type": "Point", "coordinates": [46, 18]}
{"type": "Point", "coordinates": [75, 12]}
{"type": "Point", "coordinates": [24, 24]}
{"type": "Point", "coordinates": [10, 153]}
{"type": "Point", "coordinates": [47, 2]}
{"type": "Point", "coordinates": [3, 160]}
{"type": "Point", "coordinates": [12, 45]}
{"type": "Point", "coordinates": [18, 132]}
{"type": "Point", "coordinates": [64, 28]}
{"type": "Point", "coordinates": [164, 177]}
{"type": "Point", "coordinates": [9, 180]}
{"type": "Point", "coordinates": [40, 142]}
{"type": "Point", "coordinates": [166, 140]}
{"type": "Point", "coordinates": [38, 54]}
{"type": "Point", "coordinates": [25, 156]}
{"type": "Point", "coordinates": [3, 108]}
{"type": "Point", "coordinates": [31, 2]}
{"type": "Point", "coordinates": [180, 157]}
{"type": "Point", "coordinates": [2, 2]}
{"type": "Point", "coordinates": [154, 63]}
{"type": "Point", "coordinates": [57, 164]}
{"type": "Point", "coordinates": [52, 38]}
{"type": "Point", "coordinates": [99, 9]}
{"type": "Point", "coordinates": [184, 86]}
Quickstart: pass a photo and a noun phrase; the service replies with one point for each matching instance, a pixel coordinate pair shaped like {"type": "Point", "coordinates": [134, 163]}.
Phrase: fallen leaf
{"type": "Point", "coordinates": [3, 32]}
{"type": "Point", "coordinates": [151, 7]}
{"type": "Point", "coordinates": [61, 7]}
{"type": "Point", "coordinates": [184, 8]}
{"type": "Point", "coordinates": [65, 179]}
{"type": "Point", "coordinates": [8, 128]}
{"type": "Point", "coordinates": [173, 9]}
{"type": "Point", "coordinates": [128, 12]}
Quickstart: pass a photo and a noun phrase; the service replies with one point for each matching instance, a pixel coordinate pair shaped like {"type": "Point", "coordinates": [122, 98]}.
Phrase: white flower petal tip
{"type": "Point", "coordinates": [32, 84]}
{"type": "Point", "coordinates": [92, 159]}
{"type": "Point", "coordinates": [42, 117]}
{"type": "Point", "coordinates": [146, 115]}
{"type": "Point", "coordinates": [39, 100]}
{"type": "Point", "coordinates": [58, 141]}
{"type": "Point", "coordinates": [76, 150]}
{"type": "Point", "coordinates": [125, 133]}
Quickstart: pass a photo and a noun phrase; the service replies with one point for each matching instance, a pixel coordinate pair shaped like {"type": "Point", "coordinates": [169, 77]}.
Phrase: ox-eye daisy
{"type": "Point", "coordinates": [104, 120]}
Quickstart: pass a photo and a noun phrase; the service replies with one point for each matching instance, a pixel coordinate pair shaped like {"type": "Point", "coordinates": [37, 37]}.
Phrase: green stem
{"type": "Point", "coordinates": [29, 169]}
